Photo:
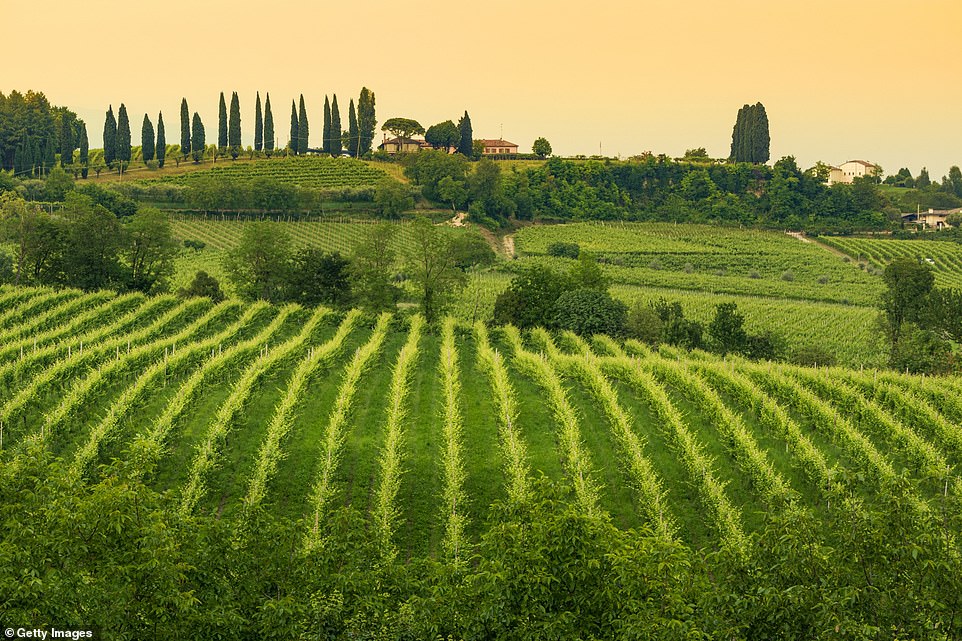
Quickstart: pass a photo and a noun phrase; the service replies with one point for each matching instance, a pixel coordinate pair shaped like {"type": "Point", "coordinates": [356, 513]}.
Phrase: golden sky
{"type": "Point", "coordinates": [877, 80]}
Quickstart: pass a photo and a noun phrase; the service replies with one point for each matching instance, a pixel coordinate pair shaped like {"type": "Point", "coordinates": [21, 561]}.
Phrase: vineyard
{"type": "Point", "coordinates": [944, 257]}
{"type": "Point", "coordinates": [232, 408]}
{"type": "Point", "coordinates": [313, 172]}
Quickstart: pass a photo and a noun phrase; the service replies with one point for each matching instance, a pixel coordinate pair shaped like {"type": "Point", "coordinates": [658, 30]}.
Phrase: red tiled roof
{"type": "Point", "coordinates": [498, 143]}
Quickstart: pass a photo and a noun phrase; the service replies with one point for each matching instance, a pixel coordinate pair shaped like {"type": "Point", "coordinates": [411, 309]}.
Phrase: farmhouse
{"type": "Point", "coordinates": [402, 145]}
{"type": "Point", "coordinates": [931, 219]}
{"type": "Point", "coordinates": [851, 170]}
{"type": "Point", "coordinates": [499, 147]}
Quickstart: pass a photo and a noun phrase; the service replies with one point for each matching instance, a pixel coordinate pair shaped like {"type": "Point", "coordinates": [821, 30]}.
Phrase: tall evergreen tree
{"type": "Point", "coordinates": [352, 141]}
{"type": "Point", "coordinates": [336, 132]}
{"type": "Point", "coordinates": [198, 138]}
{"type": "Point", "coordinates": [66, 140]}
{"type": "Point", "coordinates": [234, 127]}
{"type": "Point", "coordinates": [84, 149]}
{"type": "Point", "coordinates": [302, 128]}
{"type": "Point", "coordinates": [366, 121]}
{"type": "Point", "coordinates": [268, 127]}
{"type": "Point", "coordinates": [161, 141]}
{"type": "Point", "coordinates": [184, 129]}
{"type": "Point", "coordinates": [147, 140]}
{"type": "Point", "coordinates": [222, 122]}
{"type": "Point", "coordinates": [293, 143]}
{"type": "Point", "coordinates": [466, 144]}
{"type": "Point", "coordinates": [326, 130]}
{"type": "Point", "coordinates": [258, 125]}
{"type": "Point", "coordinates": [761, 138]}
{"type": "Point", "coordinates": [123, 134]}
{"type": "Point", "coordinates": [738, 136]}
{"type": "Point", "coordinates": [110, 137]}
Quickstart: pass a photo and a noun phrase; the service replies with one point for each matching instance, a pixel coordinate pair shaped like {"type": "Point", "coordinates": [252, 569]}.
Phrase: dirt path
{"type": "Point", "coordinates": [799, 235]}
{"type": "Point", "coordinates": [509, 246]}
{"type": "Point", "coordinates": [458, 220]}
{"type": "Point", "coordinates": [805, 239]}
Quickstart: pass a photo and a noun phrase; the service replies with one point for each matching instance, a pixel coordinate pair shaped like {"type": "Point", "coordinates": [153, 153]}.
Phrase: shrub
{"type": "Point", "coordinates": [788, 276]}
{"type": "Point", "coordinates": [823, 280]}
{"type": "Point", "coordinates": [688, 268]}
{"type": "Point", "coordinates": [644, 324]}
{"type": "Point", "coordinates": [590, 311]}
{"type": "Point", "coordinates": [811, 355]}
{"type": "Point", "coordinates": [203, 285]}
{"type": "Point", "coordinates": [564, 250]}
{"type": "Point", "coordinates": [655, 264]}
{"type": "Point", "coordinates": [754, 274]}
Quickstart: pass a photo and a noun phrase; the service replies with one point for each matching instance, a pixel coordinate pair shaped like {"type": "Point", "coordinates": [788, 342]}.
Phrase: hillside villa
{"type": "Point", "coordinates": [849, 171]}
{"type": "Point", "coordinates": [499, 146]}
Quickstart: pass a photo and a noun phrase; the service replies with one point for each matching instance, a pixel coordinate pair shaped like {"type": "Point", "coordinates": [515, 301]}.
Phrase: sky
{"type": "Point", "coordinates": [878, 81]}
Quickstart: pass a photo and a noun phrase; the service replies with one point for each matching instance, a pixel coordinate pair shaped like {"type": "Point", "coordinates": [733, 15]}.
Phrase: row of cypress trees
{"type": "Point", "coordinates": [750, 137]}
{"type": "Point", "coordinates": [358, 139]}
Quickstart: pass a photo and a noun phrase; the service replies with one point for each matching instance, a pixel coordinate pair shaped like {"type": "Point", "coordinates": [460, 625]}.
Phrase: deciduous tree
{"type": "Point", "coordinates": [443, 135]}
{"type": "Point", "coordinates": [541, 147]}
{"type": "Point", "coordinates": [259, 265]}
{"type": "Point", "coordinates": [402, 127]}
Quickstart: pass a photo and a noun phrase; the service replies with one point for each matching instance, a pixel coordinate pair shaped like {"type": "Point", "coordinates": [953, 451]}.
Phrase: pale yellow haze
{"type": "Point", "coordinates": [877, 80]}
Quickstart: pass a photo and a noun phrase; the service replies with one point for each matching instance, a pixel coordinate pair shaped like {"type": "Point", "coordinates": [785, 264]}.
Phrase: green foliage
{"type": "Point", "coordinates": [750, 137]}
{"type": "Point", "coordinates": [353, 133]}
{"type": "Point", "coordinates": [326, 130]}
{"type": "Point", "coordinates": [392, 198]}
{"type": "Point", "coordinates": [472, 250]}
{"type": "Point", "coordinates": [589, 311]}
{"type": "Point", "coordinates": [84, 158]}
{"type": "Point", "coordinates": [676, 329]}
{"type": "Point", "coordinates": [432, 265]}
{"type": "Point", "coordinates": [529, 300]}
{"type": "Point", "coordinates": [234, 127]}
{"type": "Point", "coordinates": [562, 249]}
{"type": "Point", "coordinates": [123, 135]}
{"type": "Point", "coordinates": [429, 168]}
{"type": "Point", "coordinates": [202, 285]}
{"type": "Point", "coordinates": [268, 127]}
{"type": "Point", "coordinates": [258, 124]}
{"type": "Point", "coordinates": [443, 135]}
{"type": "Point", "coordinates": [150, 250]}
{"type": "Point", "coordinates": [319, 278]}
{"type": "Point", "coordinates": [466, 142]}
{"type": "Point", "coordinates": [366, 121]}
{"type": "Point", "coordinates": [222, 122]}
{"type": "Point", "coordinates": [372, 270]}
{"type": "Point", "coordinates": [644, 324]}
{"type": "Point", "coordinates": [541, 147]}
{"type": "Point", "coordinates": [161, 141]}
{"type": "Point", "coordinates": [198, 138]}
{"type": "Point", "coordinates": [258, 266]}
{"type": "Point", "coordinates": [292, 142]}
{"type": "Point", "coordinates": [909, 284]}
{"type": "Point", "coordinates": [402, 127]}
{"type": "Point", "coordinates": [147, 143]}
{"type": "Point", "coordinates": [185, 146]}
{"type": "Point", "coordinates": [303, 129]}
{"type": "Point", "coordinates": [336, 144]}
{"type": "Point", "coordinates": [110, 137]}
{"type": "Point", "coordinates": [726, 332]}
{"type": "Point", "coordinates": [57, 184]}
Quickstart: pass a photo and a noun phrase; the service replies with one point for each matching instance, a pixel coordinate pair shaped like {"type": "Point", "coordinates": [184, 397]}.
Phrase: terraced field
{"type": "Point", "coordinates": [422, 428]}
{"type": "Point", "coordinates": [944, 257]}
{"type": "Point", "coordinates": [314, 172]}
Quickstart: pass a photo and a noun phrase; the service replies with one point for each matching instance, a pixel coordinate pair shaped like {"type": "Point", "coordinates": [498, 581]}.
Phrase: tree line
{"type": "Point", "coordinates": [33, 133]}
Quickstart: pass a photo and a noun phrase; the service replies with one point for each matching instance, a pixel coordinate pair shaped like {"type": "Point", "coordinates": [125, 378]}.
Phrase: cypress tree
{"type": "Point", "coordinates": [49, 155]}
{"type": "Point", "coordinates": [352, 141]}
{"type": "Point", "coordinates": [198, 138]}
{"type": "Point", "coordinates": [466, 144]}
{"type": "Point", "coordinates": [326, 131]}
{"type": "Point", "coordinates": [268, 127]}
{"type": "Point", "coordinates": [302, 128]}
{"type": "Point", "coordinates": [222, 122]}
{"type": "Point", "coordinates": [293, 143]}
{"type": "Point", "coordinates": [123, 134]}
{"type": "Point", "coordinates": [738, 132]}
{"type": "Point", "coordinates": [110, 137]}
{"type": "Point", "coordinates": [761, 138]}
{"type": "Point", "coordinates": [147, 140]}
{"type": "Point", "coordinates": [66, 140]}
{"type": "Point", "coordinates": [258, 125]}
{"type": "Point", "coordinates": [366, 121]}
{"type": "Point", "coordinates": [84, 149]}
{"type": "Point", "coordinates": [234, 128]}
{"type": "Point", "coordinates": [336, 144]}
{"type": "Point", "coordinates": [184, 129]}
{"type": "Point", "coordinates": [161, 141]}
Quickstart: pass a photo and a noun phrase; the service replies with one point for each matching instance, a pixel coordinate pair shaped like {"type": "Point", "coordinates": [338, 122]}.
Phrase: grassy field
{"type": "Point", "coordinates": [303, 411]}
